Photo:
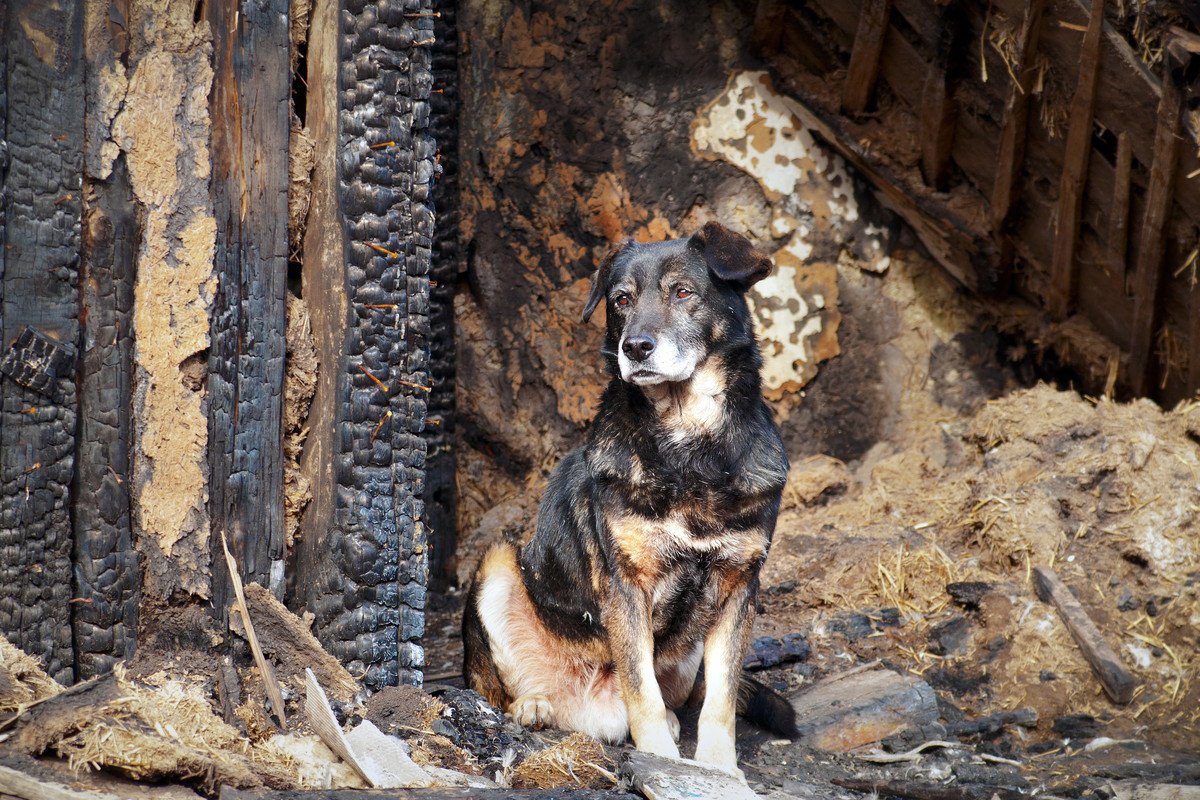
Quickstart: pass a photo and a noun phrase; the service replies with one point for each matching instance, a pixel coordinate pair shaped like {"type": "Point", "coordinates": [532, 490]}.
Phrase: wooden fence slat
{"type": "Point", "coordinates": [249, 105]}
{"type": "Point", "coordinates": [1150, 242]}
{"type": "Point", "coordinates": [1117, 242]}
{"type": "Point", "coordinates": [939, 111]}
{"type": "Point", "coordinates": [863, 71]}
{"type": "Point", "coordinates": [767, 29]}
{"type": "Point", "coordinates": [1063, 269]}
{"type": "Point", "coordinates": [40, 296]}
{"type": "Point", "coordinates": [1011, 153]}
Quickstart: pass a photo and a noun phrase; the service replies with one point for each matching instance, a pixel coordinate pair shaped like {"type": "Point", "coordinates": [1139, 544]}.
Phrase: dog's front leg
{"type": "Point", "coordinates": [631, 635]}
{"type": "Point", "coordinates": [724, 649]}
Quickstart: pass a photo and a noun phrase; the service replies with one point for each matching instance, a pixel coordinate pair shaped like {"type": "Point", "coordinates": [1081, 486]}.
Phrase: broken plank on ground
{"type": "Point", "coordinates": [846, 711]}
{"type": "Point", "coordinates": [1117, 681]}
{"type": "Point", "coordinates": [229, 793]}
{"type": "Point", "coordinates": [658, 778]}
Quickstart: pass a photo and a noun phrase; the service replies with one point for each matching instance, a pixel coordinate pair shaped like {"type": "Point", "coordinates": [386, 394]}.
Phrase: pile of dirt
{"type": "Point", "coordinates": [1104, 493]}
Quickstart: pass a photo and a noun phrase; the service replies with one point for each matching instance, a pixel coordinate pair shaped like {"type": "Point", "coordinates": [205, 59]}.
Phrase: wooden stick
{"type": "Point", "coordinates": [939, 112]}
{"type": "Point", "coordinates": [1078, 149]}
{"type": "Point", "coordinates": [1118, 209]}
{"type": "Point", "coordinates": [1016, 118]}
{"type": "Point", "coordinates": [1151, 244]}
{"type": "Point", "coordinates": [1118, 683]}
{"type": "Point", "coordinates": [873, 18]}
{"type": "Point", "coordinates": [268, 675]}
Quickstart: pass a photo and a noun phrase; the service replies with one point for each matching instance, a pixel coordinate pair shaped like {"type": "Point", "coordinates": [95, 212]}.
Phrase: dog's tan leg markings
{"type": "Point", "coordinates": [723, 649]}
{"type": "Point", "coordinates": [633, 650]}
{"type": "Point", "coordinates": [533, 711]}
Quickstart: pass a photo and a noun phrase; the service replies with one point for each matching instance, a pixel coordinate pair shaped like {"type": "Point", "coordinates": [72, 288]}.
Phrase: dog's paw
{"type": "Point", "coordinates": [532, 711]}
{"type": "Point", "coordinates": [673, 725]}
{"type": "Point", "coordinates": [720, 757]}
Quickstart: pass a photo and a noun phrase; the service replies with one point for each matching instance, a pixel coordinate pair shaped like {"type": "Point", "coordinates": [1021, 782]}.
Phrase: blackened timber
{"type": "Point", "coordinates": [441, 506]}
{"type": "Point", "coordinates": [107, 578]}
{"type": "Point", "coordinates": [249, 106]}
{"type": "Point", "coordinates": [939, 111]}
{"type": "Point", "coordinates": [362, 564]}
{"type": "Point", "coordinates": [766, 34]}
{"type": "Point", "coordinates": [1016, 117]}
{"type": "Point", "coordinates": [42, 204]}
{"type": "Point", "coordinates": [1151, 244]}
{"type": "Point", "coordinates": [863, 71]}
{"type": "Point", "coordinates": [1063, 267]}
{"type": "Point", "coordinates": [1118, 207]}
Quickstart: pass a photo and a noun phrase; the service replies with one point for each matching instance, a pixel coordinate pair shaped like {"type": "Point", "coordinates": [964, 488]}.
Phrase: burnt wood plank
{"type": "Point", "coordinates": [441, 502]}
{"type": "Point", "coordinates": [45, 105]}
{"type": "Point", "coordinates": [863, 71]}
{"type": "Point", "coordinates": [1151, 244]}
{"type": "Point", "coordinates": [107, 578]}
{"type": "Point", "coordinates": [447, 793]}
{"type": "Point", "coordinates": [938, 109]}
{"type": "Point", "coordinates": [1011, 149]}
{"type": "Point", "coordinates": [249, 106]}
{"type": "Point", "coordinates": [1117, 242]}
{"type": "Point", "coordinates": [1063, 268]}
{"type": "Point", "coordinates": [362, 562]}
{"type": "Point", "coordinates": [766, 34]}
{"type": "Point", "coordinates": [1117, 681]}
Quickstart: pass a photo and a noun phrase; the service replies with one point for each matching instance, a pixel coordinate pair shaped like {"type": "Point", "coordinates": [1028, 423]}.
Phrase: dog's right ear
{"type": "Point", "coordinates": [600, 279]}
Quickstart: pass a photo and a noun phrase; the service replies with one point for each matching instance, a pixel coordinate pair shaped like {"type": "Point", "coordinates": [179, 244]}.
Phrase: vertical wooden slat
{"type": "Point", "coordinates": [44, 66]}
{"type": "Point", "coordinates": [873, 16]}
{"type": "Point", "coordinates": [1074, 171]}
{"type": "Point", "coordinates": [767, 30]}
{"type": "Point", "coordinates": [1151, 245]}
{"type": "Point", "coordinates": [249, 106]}
{"type": "Point", "coordinates": [939, 111]}
{"type": "Point", "coordinates": [1117, 243]}
{"type": "Point", "coordinates": [1011, 154]}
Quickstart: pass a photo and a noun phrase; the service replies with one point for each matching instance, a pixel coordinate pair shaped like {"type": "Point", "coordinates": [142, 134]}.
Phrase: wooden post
{"type": "Point", "coordinates": [767, 30]}
{"type": "Point", "coordinates": [1016, 118]}
{"type": "Point", "coordinates": [939, 111]}
{"type": "Point", "coordinates": [1150, 243]}
{"type": "Point", "coordinates": [863, 71]}
{"type": "Point", "coordinates": [39, 322]}
{"type": "Point", "coordinates": [1074, 172]}
{"type": "Point", "coordinates": [249, 106]}
{"type": "Point", "coordinates": [1117, 243]}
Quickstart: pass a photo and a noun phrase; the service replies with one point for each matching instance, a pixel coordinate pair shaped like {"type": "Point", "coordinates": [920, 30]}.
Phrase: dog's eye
{"type": "Point", "coordinates": [683, 293]}
{"type": "Point", "coordinates": [622, 300]}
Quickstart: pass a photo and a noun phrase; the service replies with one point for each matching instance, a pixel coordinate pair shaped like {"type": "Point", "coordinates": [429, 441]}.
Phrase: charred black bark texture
{"type": "Point", "coordinates": [440, 465]}
{"type": "Point", "coordinates": [362, 570]}
{"type": "Point", "coordinates": [42, 204]}
{"type": "Point", "coordinates": [107, 579]}
{"type": "Point", "coordinates": [249, 106]}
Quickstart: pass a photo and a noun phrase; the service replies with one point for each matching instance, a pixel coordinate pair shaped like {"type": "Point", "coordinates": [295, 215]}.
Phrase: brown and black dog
{"type": "Point", "coordinates": [649, 540]}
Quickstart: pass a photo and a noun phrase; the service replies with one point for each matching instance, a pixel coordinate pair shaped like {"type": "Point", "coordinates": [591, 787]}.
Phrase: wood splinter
{"type": "Point", "coordinates": [264, 669]}
{"type": "Point", "coordinates": [1118, 683]}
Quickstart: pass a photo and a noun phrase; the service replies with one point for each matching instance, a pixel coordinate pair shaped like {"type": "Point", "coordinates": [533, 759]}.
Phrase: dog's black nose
{"type": "Point", "coordinates": [638, 348]}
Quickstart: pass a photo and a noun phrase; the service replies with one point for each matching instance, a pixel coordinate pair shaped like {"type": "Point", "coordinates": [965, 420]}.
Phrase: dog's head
{"type": "Point", "coordinates": [669, 304]}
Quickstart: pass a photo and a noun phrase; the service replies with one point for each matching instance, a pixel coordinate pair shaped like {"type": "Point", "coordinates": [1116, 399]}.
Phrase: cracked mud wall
{"type": "Point", "coordinates": [162, 130]}
{"type": "Point", "coordinates": [581, 126]}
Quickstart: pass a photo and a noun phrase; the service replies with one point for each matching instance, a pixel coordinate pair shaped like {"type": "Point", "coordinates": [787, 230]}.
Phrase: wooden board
{"type": "Point", "coordinates": [40, 291]}
{"type": "Point", "coordinates": [249, 106]}
{"type": "Point", "coordinates": [843, 712]}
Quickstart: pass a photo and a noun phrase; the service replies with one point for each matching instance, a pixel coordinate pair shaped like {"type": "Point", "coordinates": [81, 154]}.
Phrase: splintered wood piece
{"type": "Point", "coordinates": [1118, 209]}
{"type": "Point", "coordinates": [1076, 152]}
{"type": "Point", "coordinates": [1151, 244]}
{"type": "Point", "coordinates": [1011, 153]}
{"type": "Point", "coordinates": [873, 18]}
{"type": "Point", "coordinates": [658, 778]}
{"type": "Point", "coordinates": [14, 783]}
{"type": "Point", "coordinates": [1118, 683]}
{"type": "Point", "coordinates": [847, 711]}
{"type": "Point", "coordinates": [1136, 790]}
{"type": "Point", "coordinates": [939, 111]}
{"type": "Point", "coordinates": [380, 759]}
{"type": "Point", "coordinates": [264, 669]}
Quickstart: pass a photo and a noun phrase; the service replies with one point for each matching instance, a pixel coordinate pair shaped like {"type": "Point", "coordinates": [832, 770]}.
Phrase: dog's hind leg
{"type": "Point", "coordinates": [723, 651]}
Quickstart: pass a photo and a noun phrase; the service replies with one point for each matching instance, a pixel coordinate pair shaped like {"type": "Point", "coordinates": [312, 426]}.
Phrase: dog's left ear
{"type": "Point", "coordinates": [729, 255]}
{"type": "Point", "coordinates": [600, 279]}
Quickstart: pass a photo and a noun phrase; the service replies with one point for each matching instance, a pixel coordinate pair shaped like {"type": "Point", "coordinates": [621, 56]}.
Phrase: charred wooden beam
{"type": "Point", "coordinates": [939, 111]}
{"type": "Point", "coordinates": [361, 565]}
{"type": "Point", "coordinates": [767, 31]}
{"type": "Point", "coordinates": [1151, 243]}
{"type": "Point", "coordinates": [40, 293]}
{"type": "Point", "coordinates": [1063, 267]}
{"type": "Point", "coordinates": [1117, 242]}
{"type": "Point", "coordinates": [441, 506]}
{"type": "Point", "coordinates": [249, 107]}
{"type": "Point", "coordinates": [863, 71]}
{"type": "Point", "coordinates": [1011, 151]}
